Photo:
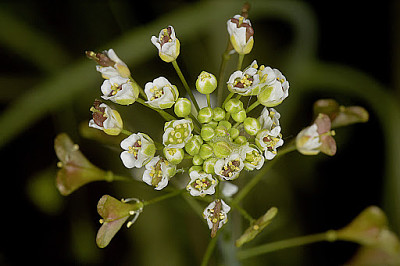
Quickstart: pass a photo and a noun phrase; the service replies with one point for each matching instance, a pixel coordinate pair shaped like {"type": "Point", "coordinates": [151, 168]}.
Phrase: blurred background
{"type": "Point", "coordinates": [346, 51]}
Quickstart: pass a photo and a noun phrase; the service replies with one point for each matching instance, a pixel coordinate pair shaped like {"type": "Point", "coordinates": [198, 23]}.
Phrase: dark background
{"type": "Point", "coordinates": [313, 194]}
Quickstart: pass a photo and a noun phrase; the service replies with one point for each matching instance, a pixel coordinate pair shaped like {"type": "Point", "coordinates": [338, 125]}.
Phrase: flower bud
{"type": "Point", "coordinates": [239, 116]}
{"type": "Point", "coordinates": [206, 83]}
{"type": "Point", "coordinates": [193, 145]}
{"type": "Point", "coordinates": [182, 107]}
{"type": "Point", "coordinates": [221, 149]}
{"type": "Point", "coordinates": [234, 133]}
{"type": "Point", "coordinates": [241, 34]}
{"type": "Point", "coordinates": [196, 168]}
{"type": "Point", "coordinates": [205, 115]}
{"type": "Point", "coordinates": [105, 118]}
{"type": "Point", "coordinates": [197, 160]}
{"type": "Point", "coordinates": [251, 125]}
{"type": "Point", "coordinates": [233, 106]}
{"type": "Point", "coordinates": [167, 44]}
{"type": "Point", "coordinates": [207, 133]}
{"type": "Point", "coordinates": [241, 140]}
{"type": "Point", "coordinates": [206, 151]}
{"type": "Point", "coordinates": [208, 165]}
{"type": "Point", "coordinates": [212, 124]}
{"type": "Point", "coordinates": [219, 114]}
{"type": "Point", "coordinates": [225, 124]}
{"type": "Point", "coordinates": [221, 131]}
{"type": "Point", "coordinates": [173, 155]}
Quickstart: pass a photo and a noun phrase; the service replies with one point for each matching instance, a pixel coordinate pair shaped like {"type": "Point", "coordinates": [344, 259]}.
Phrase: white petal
{"type": "Point", "coordinates": [128, 159]}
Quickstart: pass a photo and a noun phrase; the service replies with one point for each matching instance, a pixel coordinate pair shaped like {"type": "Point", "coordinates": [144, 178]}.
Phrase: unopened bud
{"type": "Point", "coordinates": [206, 83]}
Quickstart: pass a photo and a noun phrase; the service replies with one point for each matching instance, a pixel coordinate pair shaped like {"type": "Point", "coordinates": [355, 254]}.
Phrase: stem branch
{"type": "Point", "coordinates": [189, 91]}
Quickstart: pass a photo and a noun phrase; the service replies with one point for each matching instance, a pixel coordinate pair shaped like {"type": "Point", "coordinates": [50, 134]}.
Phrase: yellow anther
{"type": "Point", "coordinates": [101, 221]}
{"type": "Point", "coordinates": [214, 220]}
{"type": "Point", "coordinates": [256, 227]}
{"type": "Point", "coordinates": [60, 164]}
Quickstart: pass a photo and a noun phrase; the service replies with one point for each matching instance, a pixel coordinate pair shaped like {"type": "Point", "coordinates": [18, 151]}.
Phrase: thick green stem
{"type": "Point", "coordinates": [164, 114]}
{"type": "Point", "coordinates": [288, 243]}
{"type": "Point", "coordinates": [230, 95]}
{"type": "Point", "coordinates": [189, 91]}
{"type": "Point", "coordinates": [163, 197]}
{"type": "Point", "coordinates": [251, 107]}
{"type": "Point", "coordinates": [210, 249]}
{"type": "Point", "coordinates": [225, 58]}
{"type": "Point", "coordinates": [208, 100]}
{"type": "Point", "coordinates": [240, 62]}
{"type": "Point", "coordinates": [126, 132]}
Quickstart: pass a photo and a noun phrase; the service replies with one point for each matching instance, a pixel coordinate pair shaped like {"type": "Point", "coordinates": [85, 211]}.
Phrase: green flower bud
{"type": "Point", "coordinates": [221, 131]}
{"type": "Point", "coordinates": [207, 133]}
{"type": "Point", "coordinates": [195, 168]}
{"type": "Point", "coordinates": [251, 125]}
{"type": "Point", "coordinates": [173, 155]}
{"type": "Point", "coordinates": [206, 83]}
{"type": "Point", "coordinates": [182, 107]}
{"type": "Point", "coordinates": [225, 124]}
{"type": "Point", "coordinates": [192, 147]}
{"type": "Point", "coordinates": [212, 124]}
{"type": "Point", "coordinates": [233, 133]}
{"type": "Point", "coordinates": [241, 140]}
{"type": "Point", "coordinates": [222, 149]}
{"type": "Point", "coordinates": [205, 115]}
{"type": "Point", "coordinates": [233, 106]}
{"type": "Point", "coordinates": [199, 139]}
{"type": "Point", "coordinates": [206, 151]}
{"type": "Point", "coordinates": [197, 160]}
{"type": "Point", "coordinates": [208, 165]}
{"type": "Point", "coordinates": [239, 116]}
{"type": "Point", "coordinates": [219, 114]}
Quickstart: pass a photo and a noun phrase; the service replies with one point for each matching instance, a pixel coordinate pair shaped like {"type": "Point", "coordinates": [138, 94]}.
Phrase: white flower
{"type": "Point", "coordinates": [167, 44]}
{"type": "Point", "coordinates": [158, 172]}
{"type": "Point", "coordinates": [216, 214]}
{"type": "Point", "coordinates": [106, 119]}
{"type": "Point", "coordinates": [139, 150]}
{"type": "Point", "coordinates": [177, 133]}
{"type": "Point", "coordinates": [230, 167]}
{"type": "Point", "coordinates": [253, 158]}
{"type": "Point", "coordinates": [201, 184]}
{"type": "Point", "coordinates": [110, 65]}
{"type": "Point", "coordinates": [241, 34]}
{"type": "Point", "coordinates": [273, 93]}
{"type": "Point", "coordinates": [269, 141]}
{"type": "Point", "coordinates": [161, 93]}
{"type": "Point", "coordinates": [269, 119]}
{"type": "Point", "coordinates": [308, 141]}
{"type": "Point", "coordinates": [229, 189]}
{"type": "Point", "coordinates": [119, 90]}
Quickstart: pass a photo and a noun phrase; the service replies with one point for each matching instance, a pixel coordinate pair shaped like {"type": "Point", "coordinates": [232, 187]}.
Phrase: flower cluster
{"type": "Point", "coordinates": [212, 146]}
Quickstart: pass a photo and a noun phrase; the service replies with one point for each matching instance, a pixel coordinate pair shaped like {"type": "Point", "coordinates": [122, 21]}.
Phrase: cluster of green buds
{"type": "Point", "coordinates": [211, 145]}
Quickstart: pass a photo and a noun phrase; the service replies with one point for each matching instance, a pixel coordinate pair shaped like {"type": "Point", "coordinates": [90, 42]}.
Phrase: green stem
{"type": "Point", "coordinates": [288, 243]}
{"type": "Point", "coordinates": [254, 105]}
{"type": "Point", "coordinates": [189, 91]}
{"type": "Point", "coordinates": [126, 132]}
{"type": "Point", "coordinates": [240, 61]}
{"type": "Point", "coordinates": [228, 98]}
{"type": "Point", "coordinates": [243, 212]}
{"type": "Point", "coordinates": [225, 58]}
{"type": "Point", "coordinates": [163, 197]}
{"type": "Point", "coordinates": [208, 100]}
{"type": "Point", "coordinates": [210, 249]}
{"type": "Point", "coordinates": [164, 114]}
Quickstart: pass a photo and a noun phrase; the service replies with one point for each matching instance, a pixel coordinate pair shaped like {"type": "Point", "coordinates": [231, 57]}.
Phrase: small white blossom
{"type": "Point", "coordinates": [113, 66]}
{"type": "Point", "coordinates": [139, 150]}
{"type": "Point", "coordinates": [230, 167]}
{"type": "Point", "coordinates": [158, 172]}
{"type": "Point", "coordinates": [216, 214]}
{"type": "Point", "coordinates": [308, 141]}
{"type": "Point", "coordinates": [269, 118]}
{"type": "Point", "coordinates": [119, 90]}
{"type": "Point", "coordinates": [106, 119]}
{"type": "Point", "coordinates": [241, 34]}
{"type": "Point", "coordinates": [167, 44]}
{"type": "Point", "coordinates": [161, 93]}
{"type": "Point", "coordinates": [252, 158]}
{"type": "Point", "coordinates": [273, 93]}
{"type": "Point", "coordinates": [177, 133]}
{"type": "Point", "coordinates": [201, 184]}
{"type": "Point", "coordinates": [269, 141]}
